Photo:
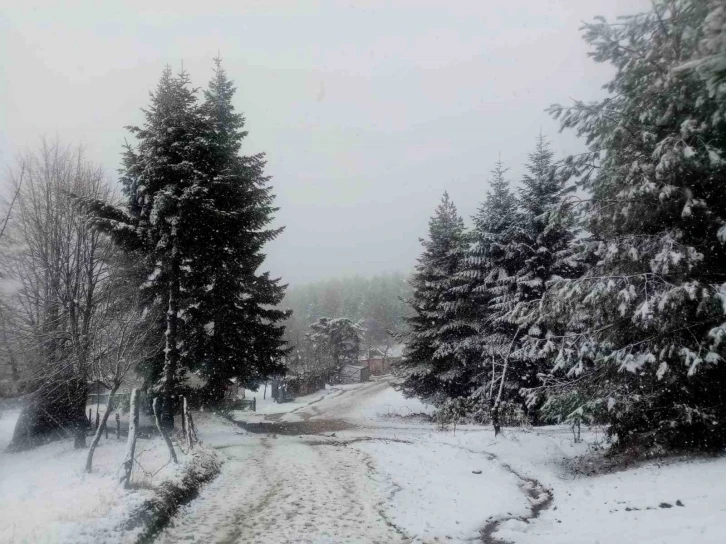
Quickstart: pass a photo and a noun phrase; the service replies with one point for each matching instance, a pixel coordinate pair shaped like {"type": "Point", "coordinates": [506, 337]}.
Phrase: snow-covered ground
{"type": "Point", "coordinates": [385, 477]}
{"type": "Point", "coordinates": [267, 405]}
{"type": "Point", "coordinates": [359, 464]}
{"type": "Point", "coordinates": [46, 496]}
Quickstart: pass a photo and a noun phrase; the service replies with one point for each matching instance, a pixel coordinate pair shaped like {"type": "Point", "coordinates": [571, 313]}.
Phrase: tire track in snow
{"type": "Point", "coordinates": [539, 497]}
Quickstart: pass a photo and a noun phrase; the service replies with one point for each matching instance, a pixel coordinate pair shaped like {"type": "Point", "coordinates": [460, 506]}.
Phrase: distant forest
{"type": "Point", "coordinates": [376, 303]}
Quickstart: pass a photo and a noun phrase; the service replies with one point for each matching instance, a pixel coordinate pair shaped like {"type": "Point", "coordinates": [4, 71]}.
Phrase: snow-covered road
{"type": "Point", "coordinates": [340, 468]}
{"type": "Point", "coordinates": [292, 488]}
{"type": "Point", "coordinates": [354, 464]}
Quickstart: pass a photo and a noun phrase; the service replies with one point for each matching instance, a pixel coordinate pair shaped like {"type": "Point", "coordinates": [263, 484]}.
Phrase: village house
{"type": "Point", "coordinates": [380, 361]}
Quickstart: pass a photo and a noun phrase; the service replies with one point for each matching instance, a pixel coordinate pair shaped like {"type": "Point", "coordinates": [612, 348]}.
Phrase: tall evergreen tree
{"type": "Point", "coordinates": [429, 366]}
{"type": "Point", "coordinates": [646, 322]}
{"type": "Point", "coordinates": [163, 178]}
{"type": "Point", "coordinates": [234, 327]}
{"type": "Point", "coordinates": [196, 215]}
{"type": "Point", "coordinates": [487, 264]}
{"type": "Point", "coordinates": [470, 287]}
{"type": "Point", "coordinates": [540, 249]}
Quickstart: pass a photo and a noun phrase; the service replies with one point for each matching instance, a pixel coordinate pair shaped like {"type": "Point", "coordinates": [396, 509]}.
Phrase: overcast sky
{"type": "Point", "coordinates": [367, 110]}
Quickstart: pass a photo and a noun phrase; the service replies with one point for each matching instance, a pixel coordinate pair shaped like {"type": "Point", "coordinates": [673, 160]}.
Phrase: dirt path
{"type": "Point", "coordinates": [278, 486]}
{"type": "Point", "coordinates": [280, 490]}
{"type": "Point", "coordinates": [290, 479]}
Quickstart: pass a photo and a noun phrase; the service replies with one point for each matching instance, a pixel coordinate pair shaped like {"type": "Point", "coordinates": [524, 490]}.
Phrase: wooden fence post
{"type": "Point", "coordinates": [187, 424]}
{"type": "Point", "coordinates": [192, 428]}
{"type": "Point", "coordinates": [90, 418]}
{"type": "Point", "coordinates": [184, 418]}
{"type": "Point", "coordinates": [118, 427]}
{"type": "Point", "coordinates": [131, 442]}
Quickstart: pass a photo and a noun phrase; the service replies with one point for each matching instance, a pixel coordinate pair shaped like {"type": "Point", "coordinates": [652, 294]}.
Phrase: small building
{"type": "Point", "coordinates": [376, 361]}
{"type": "Point", "coordinates": [380, 361]}
{"type": "Point", "coordinates": [354, 374]}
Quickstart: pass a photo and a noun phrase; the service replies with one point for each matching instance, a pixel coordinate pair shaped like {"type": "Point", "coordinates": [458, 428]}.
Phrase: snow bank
{"type": "Point", "coordinates": [391, 403]}
{"type": "Point", "coordinates": [46, 495]}
{"type": "Point", "coordinates": [8, 418]}
{"type": "Point", "coordinates": [652, 504]}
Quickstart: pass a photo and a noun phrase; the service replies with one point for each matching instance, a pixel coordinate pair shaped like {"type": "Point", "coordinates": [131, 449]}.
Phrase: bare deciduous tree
{"type": "Point", "coordinates": [57, 266]}
{"type": "Point", "coordinates": [121, 340]}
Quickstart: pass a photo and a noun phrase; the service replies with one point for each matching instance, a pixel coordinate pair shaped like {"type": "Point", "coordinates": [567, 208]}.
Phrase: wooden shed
{"type": "Point", "coordinates": [354, 374]}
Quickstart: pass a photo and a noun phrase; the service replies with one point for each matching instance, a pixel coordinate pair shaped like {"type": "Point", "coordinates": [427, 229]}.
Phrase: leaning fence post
{"type": "Point", "coordinates": [131, 442]}
{"type": "Point", "coordinates": [184, 418]}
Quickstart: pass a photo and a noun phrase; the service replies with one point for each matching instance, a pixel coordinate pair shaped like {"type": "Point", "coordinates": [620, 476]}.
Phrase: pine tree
{"type": "Point", "coordinates": [646, 321]}
{"type": "Point", "coordinates": [430, 367]}
{"type": "Point", "coordinates": [234, 328]}
{"type": "Point", "coordinates": [539, 248]}
{"type": "Point", "coordinates": [709, 59]}
{"type": "Point", "coordinates": [338, 338]}
{"type": "Point", "coordinates": [483, 260]}
{"type": "Point", "coordinates": [490, 264]}
{"type": "Point", "coordinates": [162, 179]}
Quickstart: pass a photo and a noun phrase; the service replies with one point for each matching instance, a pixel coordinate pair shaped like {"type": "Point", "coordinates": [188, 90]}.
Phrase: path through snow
{"type": "Point", "coordinates": [347, 468]}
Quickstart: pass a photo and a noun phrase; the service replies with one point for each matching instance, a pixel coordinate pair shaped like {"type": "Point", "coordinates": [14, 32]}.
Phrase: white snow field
{"type": "Point", "coordinates": [359, 464]}
{"type": "Point", "coordinates": [345, 466]}
{"type": "Point", "coordinates": [46, 496]}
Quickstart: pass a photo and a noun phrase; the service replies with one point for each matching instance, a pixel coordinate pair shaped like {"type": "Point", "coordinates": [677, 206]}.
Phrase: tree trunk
{"type": "Point", "coordinates": [171, 353]}
{"type": "Point", "coordinates": [163, 431]}
{"type": "Point", "coordinates": [497, 403]}
{"type": "Point", "coordinates": [495, 418]}
{"type": "Point", "coordinates": [192, 428]}
{"type": "Point", "coordinates": [101, 427]}
{"type": "Point", "coordinates": [131, 441]}
{"type": "Point", "coordinates": [187, 424]}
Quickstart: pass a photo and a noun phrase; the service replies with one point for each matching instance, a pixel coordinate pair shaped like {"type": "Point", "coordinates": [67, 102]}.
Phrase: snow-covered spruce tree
{"type": "Point", "coordinates": [709, 60]}
{"type": "Point", "coordinates": [164, 179]}
{"type": "Point", "coordinates": [233, 326]}
{"type": "Point", "coordinates": [479, 265]}
{"type": "Point", "coordinates": [487, 264]}
{"type": "Point", "coordinates": [430, 368]}
{"type": "Point", "coordinates": [539, 249]}
{"type": "Point", "coordinates": [646, 322]}
{"type": "Point", "coordinates": [337, 340]}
